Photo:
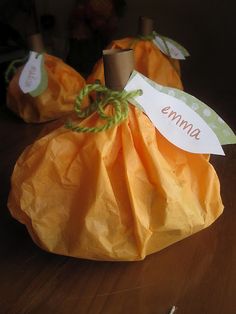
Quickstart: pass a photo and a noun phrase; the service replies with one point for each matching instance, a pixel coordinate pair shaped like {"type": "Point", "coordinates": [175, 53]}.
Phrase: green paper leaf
{"type": "Point", "coordinates": [223, 132]}
{"type": "Point", "coordinates": [170, 47]}
{"type": "Point", "coordinates": [180, 47]}
{"type": "Point", "coordinates": [43, 82]}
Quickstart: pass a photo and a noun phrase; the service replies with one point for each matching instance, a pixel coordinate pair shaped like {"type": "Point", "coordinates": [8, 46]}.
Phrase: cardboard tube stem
{"type": "Point", "coordinates": [146, 26]}
{"type": "Point", "coordinates": [35, 42]}
{"type": "Point", "coordinates": [118, 66]}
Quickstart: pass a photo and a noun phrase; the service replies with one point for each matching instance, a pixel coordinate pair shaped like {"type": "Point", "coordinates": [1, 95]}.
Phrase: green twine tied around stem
{"type": "Point", "coordinates": [150, 37]}
{"type": "Point", "coordinates": [118, 99]}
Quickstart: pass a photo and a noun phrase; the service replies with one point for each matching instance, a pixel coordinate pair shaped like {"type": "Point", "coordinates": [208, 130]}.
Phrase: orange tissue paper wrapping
{"type": "Point", "coordinates": [116, 195]}
{"type": "Point", "coordinates": [64, 83]}
{"type": "Point", "coordinates": [148, 60]}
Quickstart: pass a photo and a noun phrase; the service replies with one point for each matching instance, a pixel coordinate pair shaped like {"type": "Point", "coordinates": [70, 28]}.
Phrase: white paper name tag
{"type": "Point", "coordinates": [175, 120]}
{"type": "Point", "coordinates": [170, 47]}
{"type": "Point", "coordinates": [33, 78]}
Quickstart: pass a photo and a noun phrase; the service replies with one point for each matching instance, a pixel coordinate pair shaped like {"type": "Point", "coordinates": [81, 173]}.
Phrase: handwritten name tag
{"type": "Point", "coordinates": [176, 121]}
{"type": "Point", "coordinates": [180, 122]}
{"type": "Point", "coordinates": [33, 78]}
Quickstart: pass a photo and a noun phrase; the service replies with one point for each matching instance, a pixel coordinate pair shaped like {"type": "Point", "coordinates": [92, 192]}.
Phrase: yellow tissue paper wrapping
{"type": "Point", "coordinates": [64, 83]}
{"type": "Point", "coordinates": [148, 60]}
{"type": "Point", "coordinates": [116, 195]}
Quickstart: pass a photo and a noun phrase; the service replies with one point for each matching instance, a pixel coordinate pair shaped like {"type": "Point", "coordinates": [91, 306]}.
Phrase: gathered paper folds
{"type": "Point", "coordinates": [64, 83]}
{"type": "Point", "coordinates": [119, 194]}
{"type": "Point", "coordinates": [148, 60]}
{"type": "Point", "coordinates": [115, 195]}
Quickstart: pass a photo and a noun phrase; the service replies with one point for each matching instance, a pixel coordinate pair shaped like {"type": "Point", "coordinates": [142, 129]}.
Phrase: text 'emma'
{"type": "Point", "coordinates": [181, 123]}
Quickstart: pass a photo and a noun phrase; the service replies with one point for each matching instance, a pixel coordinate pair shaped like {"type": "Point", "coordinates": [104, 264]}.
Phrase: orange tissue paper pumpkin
{"type": "Point", "coordinates": [112, 188]}
{"type": "Point", "coordinates": [64, 83]}
{"type": "Point", "coordinates": [149, 59]}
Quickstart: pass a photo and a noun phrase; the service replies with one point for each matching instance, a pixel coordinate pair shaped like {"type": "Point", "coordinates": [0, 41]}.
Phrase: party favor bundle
{"type": "Point", "coordinates": [156, 56]}
{"type": "Point", "coordinates": [115, 186]}
{"type": "Point", "coordinates": [44, 89]}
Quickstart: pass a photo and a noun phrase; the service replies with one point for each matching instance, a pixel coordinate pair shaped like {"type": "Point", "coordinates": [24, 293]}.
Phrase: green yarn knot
{"type": "Point", "coordinates": [105, 96]}
{"type": "Point", "coordinates": [150, 37]}
{"type": "Point", "coordinates": [147, 37]}
{"type": "Point", "coordinates": [12, 68]}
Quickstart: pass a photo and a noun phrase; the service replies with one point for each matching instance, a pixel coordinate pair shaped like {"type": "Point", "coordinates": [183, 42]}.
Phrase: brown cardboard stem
{"type": "Point", "coordinates": [35, 42]}
{"type": "Point", "coordinates": [118, 66]}
{"type": "Point", "coordinates": [34, 37]}
{"type": "Point", "coordinates": [146, 26]}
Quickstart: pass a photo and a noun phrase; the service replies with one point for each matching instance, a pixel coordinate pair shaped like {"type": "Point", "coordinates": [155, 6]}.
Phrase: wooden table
{"type": "Point", "coordinates": [198, 274]}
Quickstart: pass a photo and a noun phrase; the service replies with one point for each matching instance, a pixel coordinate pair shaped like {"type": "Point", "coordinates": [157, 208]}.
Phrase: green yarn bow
{"type": "Point", "coordinates": [118, 99]}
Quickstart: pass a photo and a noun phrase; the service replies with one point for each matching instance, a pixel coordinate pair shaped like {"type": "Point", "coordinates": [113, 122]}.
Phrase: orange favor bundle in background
{"type": "Point", "coordinates": [112, 188]}
{"type": "Point", "coordinates": [64, 83]}
{"type": "Point", "coordinates": [148, 58]}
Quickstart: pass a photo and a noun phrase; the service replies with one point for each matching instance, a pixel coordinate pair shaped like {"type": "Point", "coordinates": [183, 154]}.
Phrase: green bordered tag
{"type": "Point", "coordinates": [33, 79]}
{"type": "Point", "coordinates": [182, 118]}
{"type": "Point", "coordinates": [170, 47]}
